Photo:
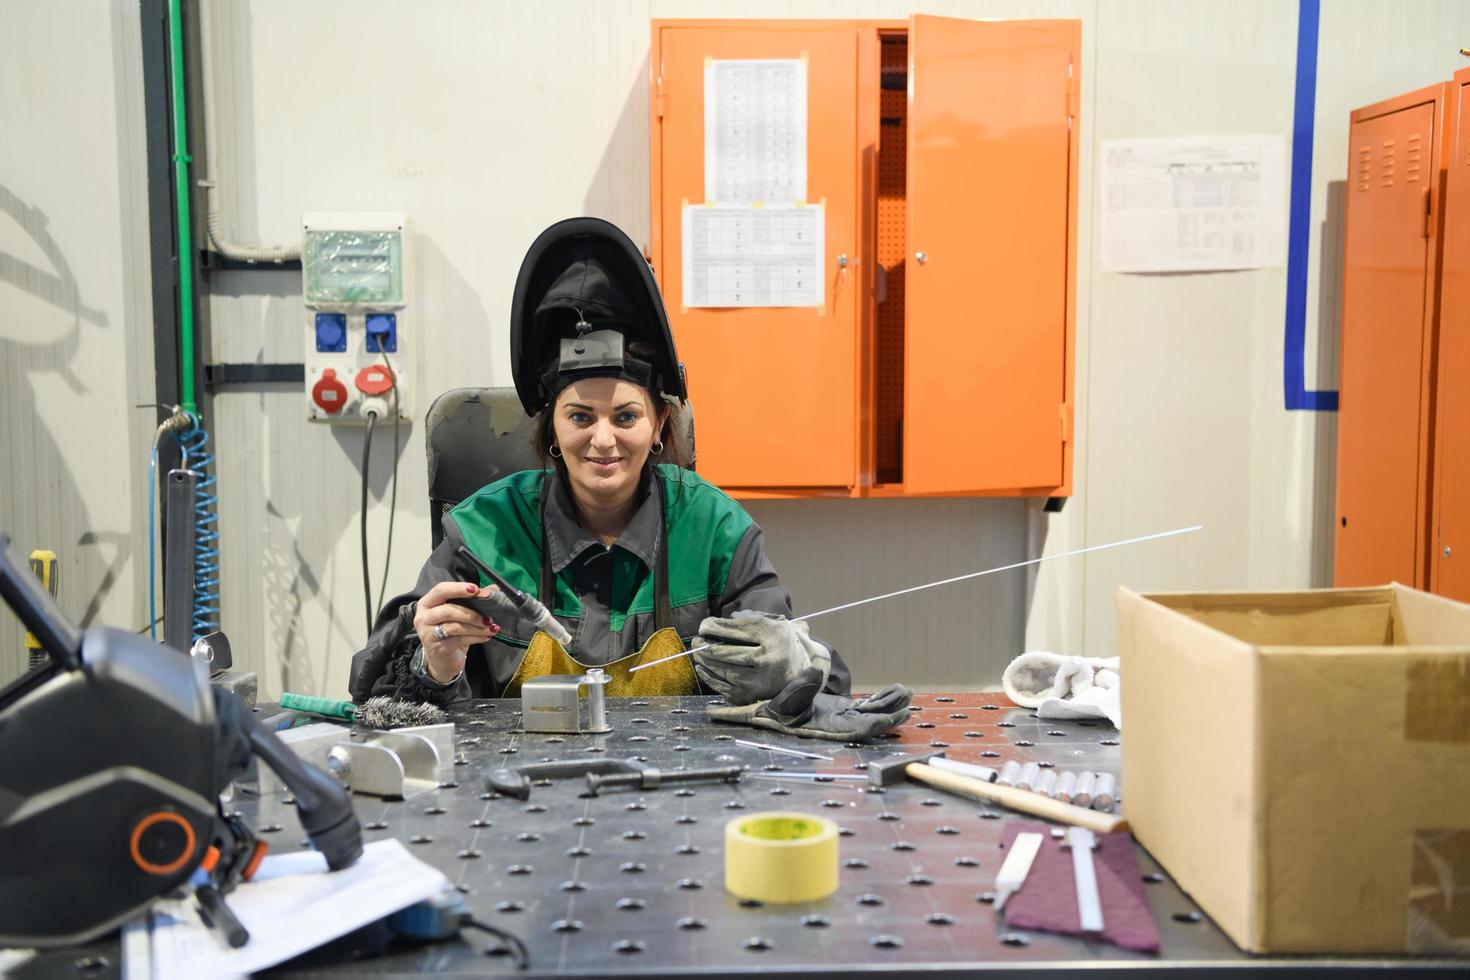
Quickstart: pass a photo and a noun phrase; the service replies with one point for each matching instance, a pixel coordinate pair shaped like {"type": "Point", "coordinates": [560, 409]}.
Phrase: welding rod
{"type": "Point", "coordinates": [947, 581]}
{"type": "Point", "coordinates": [779, 748]}
{"type": "Point", "coordinates": [819, 776]}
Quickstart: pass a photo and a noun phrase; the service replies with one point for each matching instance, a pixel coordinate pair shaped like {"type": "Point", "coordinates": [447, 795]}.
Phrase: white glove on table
{"type": "Point", "coordinates": [1066, 687]}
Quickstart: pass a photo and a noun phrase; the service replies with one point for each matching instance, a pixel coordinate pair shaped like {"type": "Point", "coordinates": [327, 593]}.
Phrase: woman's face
{"type": "Point", "coordinates": [605, 427]}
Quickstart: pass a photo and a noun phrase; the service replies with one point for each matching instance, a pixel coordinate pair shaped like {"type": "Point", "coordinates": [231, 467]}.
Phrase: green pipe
{"type": "Point", "coordinates": [181, 189]}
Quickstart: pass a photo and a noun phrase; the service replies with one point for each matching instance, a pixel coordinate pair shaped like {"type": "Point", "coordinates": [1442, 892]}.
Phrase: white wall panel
{"type": "Point", "coordinates": [76, 348]}
{"type": "Point", "coordinates": [485, 122]}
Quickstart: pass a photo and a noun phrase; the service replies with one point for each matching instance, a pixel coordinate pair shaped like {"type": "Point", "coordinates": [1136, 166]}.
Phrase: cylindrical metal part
{"type": "Point", "coordinates": [1046, 782]}
{"type": "Point", "coordinates": [1103, 793]}
{"type": "Point", "coordinates": [178, 559]}
{"type": "Point", "coordinates": [1009, 773]}
{"type": "Point", "coordinates": [1066, 784]}
{"type": "Point", "coordinates": [964, 768]}
{"type": "Point", "coordinates": [1086, 784]}
{"type": "Point", "coordinates": [1030, 772]}
{"type": "Point", "coordinates": [596, 702]}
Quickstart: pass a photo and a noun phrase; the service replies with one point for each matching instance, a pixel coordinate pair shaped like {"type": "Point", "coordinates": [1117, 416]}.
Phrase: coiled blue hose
{"type": "Point", "coordinates": [194, 443]}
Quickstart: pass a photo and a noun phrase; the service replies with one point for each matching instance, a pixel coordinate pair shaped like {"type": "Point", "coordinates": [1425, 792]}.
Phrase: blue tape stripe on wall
{"type": "Point", "coordinates": [1298, 241]}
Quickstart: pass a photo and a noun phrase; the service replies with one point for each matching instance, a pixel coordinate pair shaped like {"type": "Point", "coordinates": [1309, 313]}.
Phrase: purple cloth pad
{"type": "Point", "coordinates": [1048, 900]}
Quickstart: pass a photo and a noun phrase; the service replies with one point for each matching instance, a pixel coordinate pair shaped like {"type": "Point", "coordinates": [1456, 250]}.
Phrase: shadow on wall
{"type": "Point", "coordinates": [1329, 340]}
{"type": "Point", "coordinates": [619, 188]}
{"type": "Point", "coordinates": [39, 339]}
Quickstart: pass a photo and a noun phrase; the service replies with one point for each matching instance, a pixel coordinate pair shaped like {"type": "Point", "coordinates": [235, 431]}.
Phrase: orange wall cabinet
{"type": "Point", "coordinates": [939, 361]}
{"type": "Point", "coordinates": [1449, 551]}
{"type": "Point", "coordinates": [1386, 430]}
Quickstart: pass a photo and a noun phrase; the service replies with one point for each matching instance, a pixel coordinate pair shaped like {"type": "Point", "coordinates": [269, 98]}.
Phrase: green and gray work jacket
{"type": "Point", "coordinates": [604, 593]}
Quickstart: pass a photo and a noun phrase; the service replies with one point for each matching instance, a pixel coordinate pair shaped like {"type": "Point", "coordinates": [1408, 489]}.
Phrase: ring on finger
{"type": "Point", "coordinates": [440, 633]}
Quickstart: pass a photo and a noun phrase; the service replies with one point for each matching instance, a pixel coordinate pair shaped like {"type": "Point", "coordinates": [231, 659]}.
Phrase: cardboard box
{"type": "Point", "coordinates": [1300, 762]}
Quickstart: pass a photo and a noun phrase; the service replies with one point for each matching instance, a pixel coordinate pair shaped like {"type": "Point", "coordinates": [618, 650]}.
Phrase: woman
{"type": "Point", "coordinates": [632, 553]}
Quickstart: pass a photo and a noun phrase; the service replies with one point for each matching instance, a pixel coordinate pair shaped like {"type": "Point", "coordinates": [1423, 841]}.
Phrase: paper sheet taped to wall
{"type": "Point", "coordinates": [1193, 203]}
{"type": "Point", "coordinates": [755, 131]}
{"type": "Point", "coordinates": [753, 256]}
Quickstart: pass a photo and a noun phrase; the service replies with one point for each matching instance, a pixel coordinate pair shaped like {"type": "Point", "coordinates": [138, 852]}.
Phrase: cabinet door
{"type": "Point", "coordinates": [990, 191]}
{"type": "Point", "coordinates": [1382, 455]}
{"type": "Point", "coordinates": [773, 389]}
{"type": "Point", "coordinates": [1450, 547]}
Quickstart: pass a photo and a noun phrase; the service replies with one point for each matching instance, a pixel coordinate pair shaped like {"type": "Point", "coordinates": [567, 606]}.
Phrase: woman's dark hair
{"type": "Point", "coordinates": [545, 432]}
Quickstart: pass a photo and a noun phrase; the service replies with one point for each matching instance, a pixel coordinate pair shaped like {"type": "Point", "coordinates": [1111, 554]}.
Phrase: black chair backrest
{"type": "Point", "coordinates": [475, 436]}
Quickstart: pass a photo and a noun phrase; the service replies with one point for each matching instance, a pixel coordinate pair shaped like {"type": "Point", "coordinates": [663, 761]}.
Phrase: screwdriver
{"type": "Point", "coordinates": [43, 566]}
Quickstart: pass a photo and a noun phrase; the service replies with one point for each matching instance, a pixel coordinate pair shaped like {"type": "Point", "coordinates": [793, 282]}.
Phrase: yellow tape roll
{"type": "Point", "coordinates": [781, 857]}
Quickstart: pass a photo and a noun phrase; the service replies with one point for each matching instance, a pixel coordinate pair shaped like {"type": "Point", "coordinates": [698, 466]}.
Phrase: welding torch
{"type": "Point", "coordinates": [523, 605]}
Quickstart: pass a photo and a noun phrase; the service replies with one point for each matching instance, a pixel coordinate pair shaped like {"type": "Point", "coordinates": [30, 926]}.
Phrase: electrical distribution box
{"type": "Point", "coordinates": [359, 327]}
{"type": "Point", "coordinates": [865, 233]}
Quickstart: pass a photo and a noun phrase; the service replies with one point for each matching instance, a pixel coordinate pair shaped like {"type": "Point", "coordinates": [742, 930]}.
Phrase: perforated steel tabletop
{"type": "Point", "coordinates": [632, 881]}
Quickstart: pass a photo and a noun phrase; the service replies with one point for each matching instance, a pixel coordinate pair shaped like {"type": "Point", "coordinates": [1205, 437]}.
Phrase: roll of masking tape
{"type": "Point", "coordinates": [781, 857]}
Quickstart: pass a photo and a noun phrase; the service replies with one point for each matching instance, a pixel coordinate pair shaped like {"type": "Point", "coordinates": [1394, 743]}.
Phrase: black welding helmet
{"type": "Point", "coordinates": [584, 294]}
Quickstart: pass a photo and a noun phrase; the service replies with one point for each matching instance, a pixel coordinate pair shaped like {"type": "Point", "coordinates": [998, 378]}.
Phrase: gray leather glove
{"type": "Point", "coordinates": [802, 709]}
{"type": "Point", "coordinates": [753, 655]}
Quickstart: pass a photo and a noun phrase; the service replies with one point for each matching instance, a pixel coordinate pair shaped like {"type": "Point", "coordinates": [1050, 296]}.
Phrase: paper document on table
{"type": "Point", "coordinates": [293, 905]}
{"type": "Point", "coordinates": [753, 256]}
{"type": "Point", "coordinates": [755, 131]}
{"type": "Point", "coordinates": [1193, 203]}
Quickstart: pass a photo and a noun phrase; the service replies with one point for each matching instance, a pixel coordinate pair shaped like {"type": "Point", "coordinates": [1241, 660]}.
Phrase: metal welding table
{"type": "Point", "coordinates": [631, 882]}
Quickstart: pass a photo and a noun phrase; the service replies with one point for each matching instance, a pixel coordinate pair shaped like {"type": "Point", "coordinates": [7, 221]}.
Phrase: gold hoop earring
{"type": "Point", "coordinates": [555, 451]}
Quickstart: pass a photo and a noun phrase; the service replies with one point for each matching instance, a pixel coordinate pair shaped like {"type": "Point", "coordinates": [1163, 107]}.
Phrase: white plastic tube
{"type": "Point", "coordinates": [212, 130]}
{"type": "Point", "coordinates": [984, 773]}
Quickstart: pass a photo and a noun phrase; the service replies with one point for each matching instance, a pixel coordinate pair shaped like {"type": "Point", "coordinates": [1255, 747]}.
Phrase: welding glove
{"type": "Point", "coordinates": [752, 655]}
{"type": "Point", "coordinates": [1066, 687]}
{"type": "Point", "coordinates": [800, 708]}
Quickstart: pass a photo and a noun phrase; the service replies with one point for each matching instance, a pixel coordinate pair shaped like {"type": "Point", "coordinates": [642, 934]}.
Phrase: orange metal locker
{"type": "Point", "coordinates": [948, 373]}
{"type": "Point", "coordinates": [1385, 430]}
{"type": "Point", "coordinates": [990, 178]}
{"type": "Point", "coordinates": [1450, 545]}
{"type": "Point", "coordinates": [773, 389]}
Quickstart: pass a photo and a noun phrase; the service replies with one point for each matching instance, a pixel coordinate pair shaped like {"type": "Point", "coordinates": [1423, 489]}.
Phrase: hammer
{"type": "Point", "coordinates": [894, 770]}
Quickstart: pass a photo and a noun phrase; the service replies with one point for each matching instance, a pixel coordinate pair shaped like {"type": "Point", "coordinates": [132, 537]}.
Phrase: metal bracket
{"type": "Point", "coordinates": [391, 765]}
{"type": "Point", "coordinates": [420, 753]}
{"type": "Point", "coordinates": [217, 375]}
{"type": "Point", "coordinates": [553, 703]}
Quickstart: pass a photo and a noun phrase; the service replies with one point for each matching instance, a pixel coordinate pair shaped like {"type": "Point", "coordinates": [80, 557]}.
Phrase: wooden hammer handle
{"type": "Point", "coordinates": [1017, 799]}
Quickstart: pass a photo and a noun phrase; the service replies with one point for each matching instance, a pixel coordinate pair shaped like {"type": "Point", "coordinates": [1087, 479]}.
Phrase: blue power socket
{"type": "Point", "coordinates": [382, 333]}
{"type": "Point", "coordinates": [331, 333]}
